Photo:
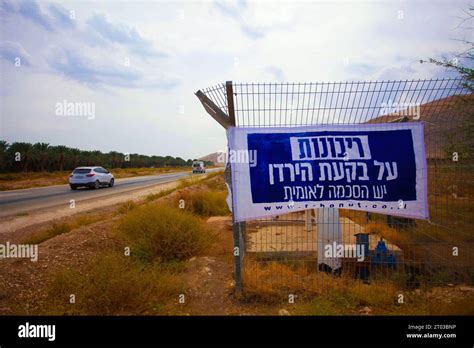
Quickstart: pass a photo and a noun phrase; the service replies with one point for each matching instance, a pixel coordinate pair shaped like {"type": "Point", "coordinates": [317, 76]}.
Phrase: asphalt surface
{"type": "Point", "coordinates": [17, 202]}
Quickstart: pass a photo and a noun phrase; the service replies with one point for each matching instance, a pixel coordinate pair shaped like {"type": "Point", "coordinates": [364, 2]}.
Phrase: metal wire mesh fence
{"type": "Point", "coordinates": [281, 252]}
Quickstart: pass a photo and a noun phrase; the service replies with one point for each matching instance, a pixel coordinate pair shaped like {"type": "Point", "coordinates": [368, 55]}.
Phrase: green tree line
{"type": "Point", "coordinates": [26, 157]}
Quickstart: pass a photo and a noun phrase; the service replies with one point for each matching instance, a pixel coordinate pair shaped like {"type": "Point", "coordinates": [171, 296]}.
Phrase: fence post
{"type": "Point", "coordinates": [238, 228]}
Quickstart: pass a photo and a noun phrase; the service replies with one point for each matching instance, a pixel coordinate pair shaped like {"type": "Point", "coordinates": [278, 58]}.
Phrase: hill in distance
{"type": "Point", "coordinates": [445, 121]}
{"type": "Point", "coordinates": [215, 157]}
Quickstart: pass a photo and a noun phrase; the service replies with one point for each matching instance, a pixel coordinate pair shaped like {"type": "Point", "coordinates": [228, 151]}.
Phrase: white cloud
{"type": "Point", "coordinates": [177, 48]}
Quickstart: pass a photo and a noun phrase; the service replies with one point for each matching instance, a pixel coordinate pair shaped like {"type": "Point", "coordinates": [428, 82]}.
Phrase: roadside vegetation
{"type": "Point", "coordinates": [159, 238]}
{"type": "Point", "coordinates": [126, 207]}
{"type": "Point", "coordinates": [429, 244]}
{"type": "Point", "coordinates": [157, 232]}
{"type": "Point", "coordinates": [182, 184]}
{"type": "Point", "coordinates": [317, 293]}
{"type": "Point", "coordinates": [67, 225]}
{"type": "Point", "coordinates": [112, 284]}
{"type": "Point", "coordinates": [58, 228]}
{"type": "Point", "coordinates": [274, 281]}
{"type": "Point", "coordinates": [203, 203]}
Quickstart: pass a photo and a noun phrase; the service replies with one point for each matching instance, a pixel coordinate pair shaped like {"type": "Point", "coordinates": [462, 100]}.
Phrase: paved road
{"type": "Point", "coordinates": [22, 201]}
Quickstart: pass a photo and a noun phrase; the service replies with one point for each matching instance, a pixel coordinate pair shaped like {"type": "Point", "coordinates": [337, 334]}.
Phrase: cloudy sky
{"type": "Point", "coordinates": [139, 63]}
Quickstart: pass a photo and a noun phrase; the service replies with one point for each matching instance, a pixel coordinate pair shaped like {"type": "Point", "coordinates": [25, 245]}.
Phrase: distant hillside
{"type": "Point", "coordinates": [446, 121]}
{"type": "Point", "coordinates": [213, 157]}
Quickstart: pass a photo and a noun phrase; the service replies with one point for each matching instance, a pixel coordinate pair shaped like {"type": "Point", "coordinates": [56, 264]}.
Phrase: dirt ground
{"type": "Point", "coordinates": [22, 280]}
{"type": "Point", "coordinates": [209, 278]}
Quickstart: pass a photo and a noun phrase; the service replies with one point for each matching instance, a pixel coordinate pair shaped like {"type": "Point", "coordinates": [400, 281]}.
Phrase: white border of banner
{"type": "Point", "coordinates": [241, 174]}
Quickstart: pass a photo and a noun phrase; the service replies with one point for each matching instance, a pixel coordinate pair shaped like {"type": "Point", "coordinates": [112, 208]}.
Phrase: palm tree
{"type": "Point", "coordinates": [43, 156]}
{"type": "Point", "coordinates": [42, 151]}
{"type": "Point", "coordinates": [3, 154]}
{"type": "Point", "coordinates": [85, 158]}
{"type": "Point", "coordinates": [25, 151]}
{"type": "Point", "coordinates": [96, 158]}
{"type": "Point", "coordinates": [114, 157]}
{"type": "Point", "coordinates": [60, 153]}
{"type": "Point", "coordinates": [75, 154]}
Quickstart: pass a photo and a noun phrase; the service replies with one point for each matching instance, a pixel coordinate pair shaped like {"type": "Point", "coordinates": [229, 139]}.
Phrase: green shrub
{"type": "Point", "coordinates": [160, 232]}
{"type": "Point", "coordinates": [212, 203]}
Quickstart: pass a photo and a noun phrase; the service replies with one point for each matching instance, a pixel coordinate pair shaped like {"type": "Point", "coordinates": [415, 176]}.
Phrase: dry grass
{"type": "Point", "coordinates": [273, 282]}
{"type": "Point", "coordinates": [154, 196]}
{"type": "Point", "coordinates": [203, 203]}
{"type": "Point", "coordinates": [208, 200]}
{"type": "Point", "coordinates": [428, 245]}
{"type": "Point", "coordinates": [111, 284]}
{"type": "Point", "coordinates": [16, 181]}
{"type": "Point", "coordinates": [130, 172]}
{"type": "Point", "coordinates": [159, 232]}
{"type": "Point", "coordinates": [183, 183]}
{"type": "Point", "coordinates": [219, 173]}
{"type": "Point", "coordinates": [126, 207]}
{"type": "Point", "coordinates": [318, 293]}
{"type": "Point", "coordinates": [216, 184]}
{"type": "Point", "coordinates": [62, 227]}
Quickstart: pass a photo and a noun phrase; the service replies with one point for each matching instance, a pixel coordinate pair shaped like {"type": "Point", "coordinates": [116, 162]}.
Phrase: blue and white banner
{"type": "Point", "coordinates": [371, 167]}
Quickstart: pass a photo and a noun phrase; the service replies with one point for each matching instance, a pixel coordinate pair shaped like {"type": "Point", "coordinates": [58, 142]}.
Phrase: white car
{"type": "Point", "coordinates": [90, 177]}
{"type": "Point", "coordinates": [198, 167]}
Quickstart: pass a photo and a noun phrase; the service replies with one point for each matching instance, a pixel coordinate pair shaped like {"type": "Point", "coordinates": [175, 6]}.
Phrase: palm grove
{"type": "Point", "coordinates": [22, 156]}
